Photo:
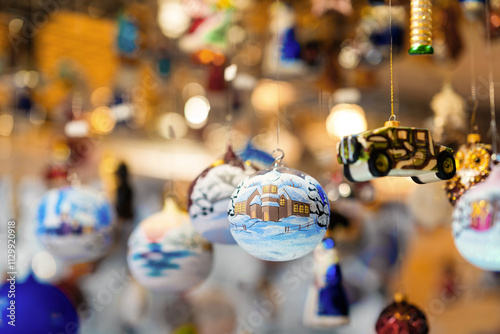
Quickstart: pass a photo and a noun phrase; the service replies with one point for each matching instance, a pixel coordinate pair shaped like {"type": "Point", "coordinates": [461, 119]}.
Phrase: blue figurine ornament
{"type": "Point", "coordinates": [326, 304]}
{"type": "Point", "coordinates": [31, 307]}
{"type": "Point", "coordinates": [258, 158]}
{"type": "Point", "coordinates": [128, 35]}
{"type": "Point", "coordinates": [278, 214]}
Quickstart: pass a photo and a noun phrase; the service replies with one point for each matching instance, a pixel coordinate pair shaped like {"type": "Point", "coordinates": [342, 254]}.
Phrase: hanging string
{"type": "Point", "coordinates": [229, 95]}
{"type": "Point", "coordinates": [473, 90]}
{"type": "Point", "coordinates": [393, 117]}
{"type": "Point", "coordinates": [278, 53]}
{"type": "Point", "coordinates": [493, 123]}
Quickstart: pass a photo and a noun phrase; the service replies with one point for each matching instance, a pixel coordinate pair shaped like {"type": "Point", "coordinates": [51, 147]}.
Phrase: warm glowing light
{"type": "Point", "coordinates": [230, 72]}
{"type": "Point", "coordinates": [15, 25]}
{"type": "Point", "coordinates": [196, 111]}
{"type": "Point", "coordinates": [172, 125]}
{"type": "Point", "coordinates": [172, 18]}
{"type": "Point", "coordinates": [102, 120]}
{"type": "Point", "coordinates": [265, 96]}
{"type": "Point", "coordinates": [205, 56]}
{"type": "Point", "coordinates": [44, 265]}
{"type": "Point", "coordinates": [192, 89]}
{"type": "Point", "coordinates": [6, 124]}
{"type": "Point", "coordinates": [344, 190]}
{"type": "Point", "coordinates": [102, 96]}
{"type": "Point", "coordinates": [76, 128]}
{"type": "Point", "coordinates": [345, 119]}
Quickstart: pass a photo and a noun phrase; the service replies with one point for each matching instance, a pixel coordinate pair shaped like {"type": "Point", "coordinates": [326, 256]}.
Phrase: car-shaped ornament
{"type": "Point", "coordinates": [395, 150]}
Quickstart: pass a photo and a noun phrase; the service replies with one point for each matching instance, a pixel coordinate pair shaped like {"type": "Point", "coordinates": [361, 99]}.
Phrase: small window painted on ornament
{"type": "Point", "coordinates": [282, 202]}
{"type": "Point", "coordinates": [307, 209]}
{"type": "Point", "coordinates": [265, 189]}
{"type": "Point", "coordinates": [402, 134]}
{"type": "Point", "coordinates": [301, 209]}
{"type": "Point", "coordinates": [274, 189]}
{"type": "Point", "coordinates": [242, 208]}
{"type": "Point", "coordinates": [295, 208]}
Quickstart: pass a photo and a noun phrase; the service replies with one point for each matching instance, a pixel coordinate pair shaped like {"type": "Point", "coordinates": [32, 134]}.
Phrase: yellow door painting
{"type": "Point", "coordinates": [266, 216]}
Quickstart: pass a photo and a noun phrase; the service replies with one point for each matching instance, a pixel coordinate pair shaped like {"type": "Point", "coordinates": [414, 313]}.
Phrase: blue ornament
{"type": "Point", "coordinates": [75, 223]}
{"type": "Point", "coordinates": [36, 308]}
{"type": "Point", "coordinates": [128, 35]}
{"type": "Point", "coordinates": [258, 158]}
{"type": "Point", "coordinates": [278, 214]}
{"type": "Point", "coordinates": [327, 302]}
{"type": "Point", "coordinates": [290, 48]}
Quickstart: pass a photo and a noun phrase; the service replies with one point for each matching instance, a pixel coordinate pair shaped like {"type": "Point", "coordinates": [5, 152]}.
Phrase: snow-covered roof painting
{"type": "Point", "coordinates": [270, 204]}
{"type": "Point", "coordinates": [266, 195]}
{"type": "Point", "coordinates": [244, 195]}
{"type": "Point", "coordinates": [295, 194]}
{"type": "Point", "coordinates": [256, 200]}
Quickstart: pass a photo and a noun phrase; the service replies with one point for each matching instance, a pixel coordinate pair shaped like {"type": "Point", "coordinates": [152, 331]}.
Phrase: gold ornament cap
{"type": "Point", "coordinates": [473, 138]}
{"type": "Point", "coordinates": [399, 297]}
{"type": "Point", "coordinates": [391, 123]}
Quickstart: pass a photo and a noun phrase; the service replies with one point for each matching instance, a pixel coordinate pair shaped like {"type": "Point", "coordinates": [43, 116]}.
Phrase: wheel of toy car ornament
{"type": "Point", "coordinates": [394, 150]}
{"type": "Point", "coordinates": [75, 223]}
{"type": "Point", "coordinates": [473, 166]}
{"type": "Point", "coordinates": [278, 214]}
{"type": "Point", "coordinates": [209, 196]}
{"type": "Point", "coordinates": [165, 254]}
{"type": "Point", "coordinates": [476, 223]}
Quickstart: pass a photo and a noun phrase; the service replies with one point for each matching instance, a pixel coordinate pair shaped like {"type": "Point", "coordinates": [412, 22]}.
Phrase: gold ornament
{"type": "Point", "coordinates": [421, 27]}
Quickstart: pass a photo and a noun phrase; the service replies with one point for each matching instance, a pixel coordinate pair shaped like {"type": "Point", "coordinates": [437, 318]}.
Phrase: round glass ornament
{"type": "Point", "coordinates": [476, 223]}
{"type": "Point", "coordinates": [473, 166]}
{"type": "Point", "coordinates": [279, 214]}
{"type": "Point", "coordinates": [75, 223]}
{"type": "Point", "coordinates": [38, 308]}
{"type": "Point", "coordinates": [209, 196]}
{"type": "Point", "coordinates": [165, 254]}
{"type": "Point", "coordinates": [401, 317]}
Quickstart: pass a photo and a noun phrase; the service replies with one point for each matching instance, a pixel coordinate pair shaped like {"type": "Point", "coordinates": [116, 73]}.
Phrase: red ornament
{"type": "Point", "coordinates": [401, 318]}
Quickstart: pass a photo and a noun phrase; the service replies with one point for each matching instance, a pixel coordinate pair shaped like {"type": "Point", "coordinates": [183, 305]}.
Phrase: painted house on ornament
{"type": "Point", "coordinates": [271, 203]}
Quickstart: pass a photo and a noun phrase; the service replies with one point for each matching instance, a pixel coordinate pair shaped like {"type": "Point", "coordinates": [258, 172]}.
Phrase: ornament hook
{"type": "Point", "coordinates": [278, 156]}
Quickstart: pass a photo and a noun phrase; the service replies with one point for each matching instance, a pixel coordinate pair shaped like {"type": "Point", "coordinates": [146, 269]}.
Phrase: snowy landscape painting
{"type": "Point", "coordinates": [209, 198]}
{"type": "Point", "coordinates": [279, 214]}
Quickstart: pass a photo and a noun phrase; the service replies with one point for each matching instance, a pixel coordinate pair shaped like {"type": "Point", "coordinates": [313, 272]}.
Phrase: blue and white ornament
{"type": "Point", "coordinates": [75, 223]}
{"type": "Point", "coordinates": [279, 214]}
{"type": "Point", "coordinates": [165, 254]}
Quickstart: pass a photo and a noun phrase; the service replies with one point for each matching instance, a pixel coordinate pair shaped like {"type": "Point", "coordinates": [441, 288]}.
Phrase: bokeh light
{"type": "Point", "coordinates": [172, 18]}
{"type": "Point", "coordinates": [345, 119]}
{"type": "Point", "coordinates": [102, 120]}
{"type": "Point", "coordinates": [44, 265]}
{"type": "Point", "coordinates": [172, 125]}
{"type": "Point", "coordinates": [265, 96]}
{"type": "Point", "coordinates": [196, 111]}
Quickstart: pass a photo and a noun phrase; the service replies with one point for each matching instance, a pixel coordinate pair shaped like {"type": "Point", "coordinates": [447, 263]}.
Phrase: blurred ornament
{"type": "Point", "coordinates": [258, 158]}
{"type": "Point", "coordinates": [345, 119]}
{"type": "Point", "coordinates": [172, 18]}
{"type": "Point", "coordinates": [172, 125]}
{"type": "Point", "coordinates": [216, 80]}
{"type": "Point", "coordinates": [450, 121]}
{"type": "Point", "coordinates": [401, 317]}
{"type": "Point", "coordinates": [102, 120]}
{"type": "Point", "coordinates": [447, 42]}
{"type": "Point", "coordinates": [265, 96]}
{"type": "Point", "coordinates": [213, 312]}
{"type": "Point", "coordinates": [319, 7]}
{"type": "Point", "coordinates": [279, 214]}
{"type": "Point", "coordinates": [473, 9]}
{"type": "Point", "coordinates": [36, 308]}
{"type": "Point", "coordinates": [165, 254]}
{"type": "Point", "coordinates": [429, 205]}
{"type": "Point", "coordinates": [476, 223]}
{"type": "Point", "coordinates": [340, 188]}
{"type": "Point", "coordinates": [124, 193]}
{"type": "Point", "coordinates": [128, 35]}
{"type": "Point", "coordinates": [326, 304]}
{"type": "Point", "coordinates": [75, 223]}
{"type": "Point", "coordinates": [132, 304]}
{"type": "Point", "coordinates": [210, 194]}
{"type": "Point", "coordinates": [473, 166]}
{"type": "Point", "coordinates": [283, 44]}
{"type": "Point", "coordinates": [421, 27]}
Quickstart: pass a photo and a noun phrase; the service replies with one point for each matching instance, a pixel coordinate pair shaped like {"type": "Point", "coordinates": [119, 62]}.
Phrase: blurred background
{"type": "Point", "coordinates": [137, 98]}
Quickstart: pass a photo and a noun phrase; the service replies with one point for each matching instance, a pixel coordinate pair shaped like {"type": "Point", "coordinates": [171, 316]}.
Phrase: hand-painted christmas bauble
{"type": "Point", "coordinates": [473, 9]}
{"type": "Point", "coordinates": [165, 254]}
{"type": "Point", "coordinates": [401, 317]}
{"type": "Point", "coordinates": [209, 197]}
{"type": "Point", "coordinates": [279, 214]}
{"type": "Point", "coordinates": [75, 223]}
{"type": "Point", "coordinates": [476, 223]}
{"type": "Point", "coordinates": [33, 307]}
{"type": "Point", "coordinates": [326, 304]}
{"type": "Point", "coordinates": [473, 166]}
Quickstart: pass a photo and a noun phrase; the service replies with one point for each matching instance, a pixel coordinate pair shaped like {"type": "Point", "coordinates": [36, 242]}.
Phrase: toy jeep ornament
{"type": "Point", "coordinates": [394, 150]}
